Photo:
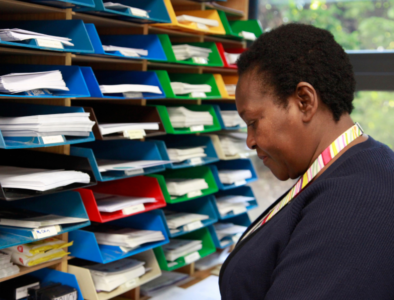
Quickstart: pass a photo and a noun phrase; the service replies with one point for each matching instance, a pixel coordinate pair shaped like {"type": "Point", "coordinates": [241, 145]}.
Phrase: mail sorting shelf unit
{"type": "Point", "coordinates": [106, 26]}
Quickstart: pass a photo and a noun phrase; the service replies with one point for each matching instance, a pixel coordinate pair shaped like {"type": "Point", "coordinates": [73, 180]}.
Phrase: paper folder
{"type": "Point", "coordinates": [242, 220]}
{"type": "Point", "coordinates": [88, 289]}
{"type": "Point", "coordinates": [195, 172]}
{"type": "Point", "coordinates": [93, 80]}
{"type": "Point", "coordinates": [9, 109]}
{"type": "Point", "coordinates": [241, 191]}
{"type": "Point", "coordinates": [208, 247]}
{"type": "Point", "coordinates": [143, 186]}
{"type": "Point", "coordinates": [208, 14]}
{"type": "Point", "coordinates": [72, 76]}
{"type": "Point", "coordinates": [67, 204]}
{"type": "Point", "coordinates": [238, 164]}
{"type": "Point", "coordinates": [188, 141]}
{"type": "Point", "coordinates": [73, 29]}
{"type": "Point", "coordinates": [204, 206]}
{"type": "Point", "coordinates": [156, 9]}
{"type": "Point", "coordinates": [148, 42]}
{"type": "Point", "coordinates": [86, 246]}
{"type": "Point", "coordinates": [127, 150]}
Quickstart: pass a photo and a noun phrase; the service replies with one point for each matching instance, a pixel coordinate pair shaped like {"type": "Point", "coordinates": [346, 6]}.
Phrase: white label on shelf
{"type": "Point", "coordinates": [197, 128]}
{"type": "Point", "coordinates": [171, 264]}
{"type": "Point", "coordinates": [248, 35]}
{"type": "Point", "coordinates": [131, 283]}
{"type": "Point", "coordinates": [202, 26]}
{"type": "Point", "coordinates": [198, 95]}
{"type": "Point", "coordinates": [45, 232]}
{"type": "Point", "coordinates": [134, 134]}
{"type": "Point", "coordinates": [192, 226]}
{"type": "Point", "coordinates": [134, 171]}
{"type": "Point", "coordinates": [53, 139]}
{"type": "Point", "coordinates": [196, 161]}
{"type": "Point", "coordinates": [200, 60]}
{"type": "Point", "coordinates": [241, 182]}
{"type": "Point", "coordinates": [133, 209]}
{"type": "Point", "coordinates": [49, 43]}
{"type": "Point", "coordinates": [138, 12]}
{"type": "Point", "coordinates": [22, 292]}
{"type": "Point", "coordinates": [239, 210]}
{"type": "Point", "coordinates": [133, 95]}
{"type": "Point", "coordinates": [194, 194]}
{"type": "Point", "coordinates": [192, 257]}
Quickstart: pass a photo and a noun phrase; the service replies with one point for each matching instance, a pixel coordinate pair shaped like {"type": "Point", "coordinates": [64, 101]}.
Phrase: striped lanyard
{"type": "Point", "coordinates": [324, 158]}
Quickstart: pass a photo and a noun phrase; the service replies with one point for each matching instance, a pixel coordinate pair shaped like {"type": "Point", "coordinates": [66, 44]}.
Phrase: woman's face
{"type": "Point", "coordinates": [276, 132]}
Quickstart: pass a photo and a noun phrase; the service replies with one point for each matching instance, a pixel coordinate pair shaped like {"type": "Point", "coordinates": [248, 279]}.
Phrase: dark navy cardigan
{"type": "Point", "coordinates": [335, 240]}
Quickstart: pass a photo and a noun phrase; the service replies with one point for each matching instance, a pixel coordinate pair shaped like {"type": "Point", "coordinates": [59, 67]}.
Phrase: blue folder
{"type": "Point", "coordinates": [127, 150]}
{"type": "Point", "coordinates": [241, 191]}
{"type": "Point", "coordinates": [242, 220]}
{"type": "Point", "coordinates": [74, 29]}
{"type": "Point", "coordinates": [157, 10]}
{"type": "Point", "coordinates": [9, 109]}
{"type": "Point", "coordinates": [223, 107]}
{"type": "Point", "coordinates": [72, 76]}
{"type": "Point", "coordinates": [86, 246]}
{"type": "Point", "coordinates": [187, 141]}
{"type": "Point", "coordinates": [66, 3]}
{"type": "Point", "coordinates": [149, 42]}
{"type": "Point", "coordinates": [67, 203]}
{"type": "Point", "coordinates": [237, 164]}
{"type": "Point", "coordinates": [49, 275]}
{"type": "Point", "coordinates": [94, 80]}
{"type": "Point", "coordinates": [204, 206]}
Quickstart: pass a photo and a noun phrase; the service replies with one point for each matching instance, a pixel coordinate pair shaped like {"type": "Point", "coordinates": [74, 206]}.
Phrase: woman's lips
{"type": "Point", "coordinates": [264, 158]}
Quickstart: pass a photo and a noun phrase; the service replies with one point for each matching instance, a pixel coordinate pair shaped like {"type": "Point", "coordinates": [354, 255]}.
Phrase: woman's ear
{"type": "Point", "coordinates": [307, 100]}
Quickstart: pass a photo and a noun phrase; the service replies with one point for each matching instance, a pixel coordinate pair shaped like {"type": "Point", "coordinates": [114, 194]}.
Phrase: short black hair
{"type": "Point", "coordinates": [294, 53]}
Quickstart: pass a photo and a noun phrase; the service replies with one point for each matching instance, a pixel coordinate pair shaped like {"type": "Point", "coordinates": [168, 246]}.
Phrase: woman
{"type": "Point", "coordinates": [332, 235]}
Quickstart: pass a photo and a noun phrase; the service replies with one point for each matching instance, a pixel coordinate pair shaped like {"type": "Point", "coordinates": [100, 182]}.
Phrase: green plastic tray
{"type": "Point", "coordinates": [165, 79]}
{"type": "Point", "coordinates": [233, 28]}
{"type": "Point", "coordinates": [208, 247]}
{"type": "Point", "coordinates": [165, 118]}
{"type": "Point", "coordinates": [194, 172]}
{"type": "Point", "coordinates": [214, 59]}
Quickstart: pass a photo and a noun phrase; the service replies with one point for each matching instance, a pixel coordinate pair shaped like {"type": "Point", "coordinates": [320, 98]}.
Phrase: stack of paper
{"type": "Point", "coordinates": [178, 248]}
{"type": "Point", "coordinates": [108, 277]}
{"type": "Point", "coordinates": [127, 88]}
{"type": "Point", "coordinates": [181, 117]}
{"type": "Point", "coordinates": [235, 204]}
{"type": "Point", "coordinates": [21, 82]}
{"type": "Point", "coordinates": [183, 52]}
{"type": "Point", "coordinates": [133, 52]}
{"type": "Point", "coordinates": [201, 23]}
{"type": "Point", "coordinates": [185, 221]}
{"type": "Point", "coordinates": [234, 199]}
{"type": "Point", "coordinates": [126, 237]}
{"type": "Point", "coordinates": [180, 88]}
{"type": "Point", "coordinates": [39, 179]}
{"type": "Point", "coordinates": [7, 268]}
{"type": "Point", "coordinates": [228, 231]}
{"type": "Point", "coordinates": [234, 143]}
{"type": "Point", "coordinates": [248, 35]}
{"type": "Point", "coordinates": [230, 88]}
{"type": "Point", "coordinates": [16, 34]}
{"type": "Point", "coordinates": [182, 186]}
{"type": "Point", "coordinates": [233, 176]}
{"type": "Point", "coordinates": [74, 124]}
{"type": "Point", "coordinates": [231, 118]}
{"type": "Point", "coordinates": [130, 167]}
{"type": "Point", "coordinates": [24, 218]}
{"type": "Point", "coordinates": [165, 280]}
{"type": "Point", "coordinates": [182, 154]}
{"type": "Point", "coordinates": [130, 130]}
{"type": "Point", "coordinates": [111, 203]}
{"type": "Point", "coordinates": [232, 57]}
{"type": "Point", "coordinates": [132, 10]}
